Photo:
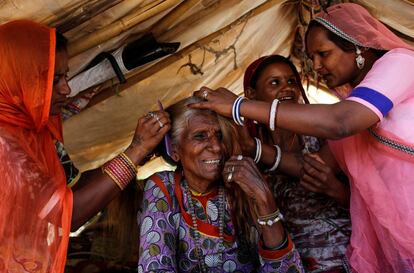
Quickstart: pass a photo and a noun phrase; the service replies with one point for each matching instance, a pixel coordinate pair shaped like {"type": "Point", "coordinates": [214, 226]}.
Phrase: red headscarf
{"type": "Point", "coordinates": [254, 68]}
{"type": "Point", "coordinates": [356, 25]}
{"type": "Point", "coordinates": [36, 205]}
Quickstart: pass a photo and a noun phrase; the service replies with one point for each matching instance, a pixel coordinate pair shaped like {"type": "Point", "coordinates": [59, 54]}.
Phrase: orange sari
{"type": "Point", "coordinates": [36, 205]}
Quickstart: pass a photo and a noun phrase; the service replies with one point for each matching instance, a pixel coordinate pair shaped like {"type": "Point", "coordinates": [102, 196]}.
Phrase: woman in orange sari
{"type": "Point", "coordinates": [37, 209]}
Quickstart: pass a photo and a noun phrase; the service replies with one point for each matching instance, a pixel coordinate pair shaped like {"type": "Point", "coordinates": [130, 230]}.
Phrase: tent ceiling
{"type": "Point", "coordinates": [219, 38]}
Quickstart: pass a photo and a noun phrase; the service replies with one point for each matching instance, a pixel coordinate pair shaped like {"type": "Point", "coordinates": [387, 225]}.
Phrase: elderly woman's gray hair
{"type": "Point", "coordinates": [180, 115]}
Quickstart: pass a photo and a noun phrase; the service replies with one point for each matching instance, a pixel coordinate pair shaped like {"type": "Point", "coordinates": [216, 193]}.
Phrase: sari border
{"type": "Point", "coordinates": [394, 145]}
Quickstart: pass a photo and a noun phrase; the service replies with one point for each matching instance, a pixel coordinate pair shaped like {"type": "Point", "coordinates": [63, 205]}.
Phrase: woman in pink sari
{"type": "Point", "coordinates": [372, 129]}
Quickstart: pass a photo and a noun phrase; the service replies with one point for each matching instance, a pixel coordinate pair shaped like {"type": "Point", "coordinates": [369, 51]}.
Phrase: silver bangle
{"type": "Point", "coordinates": [273, 111]}
{"type": "Point", "coordinates": [277, 160]}
{"type": "Point", "coordinates": [258, 154]}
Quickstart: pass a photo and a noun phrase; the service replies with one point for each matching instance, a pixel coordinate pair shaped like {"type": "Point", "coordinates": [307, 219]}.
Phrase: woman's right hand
{"type": "Point", "coordinates": [149, 132]}
{"type": "Point", "coordinates": [220, 100]}
{"type": "Point", "coordinates": [319, 177]}
{"type": "Point", "coordinates": [242, 171]}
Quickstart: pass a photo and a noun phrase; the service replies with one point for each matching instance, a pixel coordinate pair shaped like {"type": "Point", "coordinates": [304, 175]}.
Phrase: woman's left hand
{"type": "Point", "coordinates": [243, 171]}
{"type": "Point", "coordinates": [247, 143]}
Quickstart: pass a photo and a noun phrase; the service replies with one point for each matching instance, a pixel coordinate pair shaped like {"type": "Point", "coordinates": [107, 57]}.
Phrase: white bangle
{"type": "Point", "coordinates": [235, 111]}
{"type": "Point", "coordinates": [277, 160]}
{"type": "Point", "coordinates": [258, 150]}
{"type": "Point", "coordinates": [272, 118]}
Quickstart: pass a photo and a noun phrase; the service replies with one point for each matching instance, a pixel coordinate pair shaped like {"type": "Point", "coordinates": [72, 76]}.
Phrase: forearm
{"type": "Point", "coordinates": [96, 189]}
{"type": "Point", "coordinates": [290, 163]}
{"type": "Point", "coordinates": [273, 235]}
{"type": "Point", "coordinates": [320, 120]}
{"type": "Point", "coordinates": [277, 245]}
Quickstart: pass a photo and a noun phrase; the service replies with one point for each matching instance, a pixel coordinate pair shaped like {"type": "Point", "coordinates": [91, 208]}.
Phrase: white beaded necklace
{"type": "Point", "coordinates": [196, 233]}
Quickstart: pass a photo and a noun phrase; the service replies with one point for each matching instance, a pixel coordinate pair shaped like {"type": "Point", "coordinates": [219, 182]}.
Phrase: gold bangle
{"type": "Point", "coordinates": [269, 216]}
{"type": "Point", "coordinates": [128, 159]}
{"type": "Point", "coordinates": [277, 216]}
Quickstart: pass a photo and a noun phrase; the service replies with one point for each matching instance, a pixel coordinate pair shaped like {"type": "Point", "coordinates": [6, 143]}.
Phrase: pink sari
{"type": "Point", "coordinates": [379, 161]}
{"type": "Point", "coordinates": [382, 213]}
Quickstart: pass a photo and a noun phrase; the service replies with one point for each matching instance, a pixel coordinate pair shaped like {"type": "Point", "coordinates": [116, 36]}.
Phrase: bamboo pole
{"type": "Point", "coordinates": [74, 17]}
{"type": "Point", "coordinates": [120, 26]}
{"type": "Point", "coordinates": [171, 18]}
{"type": "Point", "coordinates": [107, 90]}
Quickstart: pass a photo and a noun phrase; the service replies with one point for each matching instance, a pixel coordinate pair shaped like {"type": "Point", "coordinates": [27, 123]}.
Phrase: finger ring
{"type": "Point", "coordinates": [160, 123]}
{"type": "Point", "coordinates": [150, 114]}
{"type": "Point", "coordinates": [230, 176]}
{"type": "Point", "coordinates": [205, 94]}
{"type": "Point", "coordinates": [239, 157]}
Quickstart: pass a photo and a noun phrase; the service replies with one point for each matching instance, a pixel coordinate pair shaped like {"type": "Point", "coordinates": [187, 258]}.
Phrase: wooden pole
{"type": "Point", "coordinates": [171, 18]}
{"type": "Point", "coordinates": [75, 16]}
{"type": "Point", "coordinates": [120, 26]}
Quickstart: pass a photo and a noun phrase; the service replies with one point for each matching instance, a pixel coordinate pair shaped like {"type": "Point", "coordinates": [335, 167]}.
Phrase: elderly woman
{"type": "Point", "coordinates": [188, 219]}
{"type": "Point", "coordinates": [316, 212]}
{"type": "Point", "coordinates": [373, 129]}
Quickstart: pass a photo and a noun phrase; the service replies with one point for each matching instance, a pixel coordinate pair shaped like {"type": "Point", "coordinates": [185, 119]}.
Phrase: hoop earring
{"type": "Point", "coordinates": [360, 61]}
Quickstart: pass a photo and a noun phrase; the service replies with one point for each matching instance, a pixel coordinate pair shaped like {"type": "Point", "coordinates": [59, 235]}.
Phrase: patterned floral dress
{"type": "Point", "coordinates": [167, 245]}
{"type": "Point", "coordinates": [319, 226]}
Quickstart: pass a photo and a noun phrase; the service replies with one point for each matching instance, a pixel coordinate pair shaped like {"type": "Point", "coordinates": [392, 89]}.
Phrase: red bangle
{"type": "Point", "coordinates": [276, 254]}
{"type": "Point", "coordinates": [121, 170]}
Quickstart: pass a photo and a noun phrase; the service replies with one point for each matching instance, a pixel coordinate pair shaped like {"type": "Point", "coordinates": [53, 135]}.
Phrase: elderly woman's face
{"type": "Point", "coordinates": [335, 66]}
{"type": "Point", "coordinates": [201, 150]}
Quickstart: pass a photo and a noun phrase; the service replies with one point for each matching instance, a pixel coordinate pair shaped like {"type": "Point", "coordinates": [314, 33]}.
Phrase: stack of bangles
{"type": "Point", "coordinates": [270, 220]}
{"type": "Point", "coordinates": [235, 111]}
{"type": "Point", "coordinates": [121, 170]}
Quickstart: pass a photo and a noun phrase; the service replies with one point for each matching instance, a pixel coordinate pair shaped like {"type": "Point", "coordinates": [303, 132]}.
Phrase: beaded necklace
{"type": "Point", "coordinates": [196, 233]}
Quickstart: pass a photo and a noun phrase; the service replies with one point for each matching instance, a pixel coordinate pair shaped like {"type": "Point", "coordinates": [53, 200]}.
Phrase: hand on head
{"type": "Point", "coordinates": [220, 100]}
{"type": "Point", "coordinates": [150, 130]}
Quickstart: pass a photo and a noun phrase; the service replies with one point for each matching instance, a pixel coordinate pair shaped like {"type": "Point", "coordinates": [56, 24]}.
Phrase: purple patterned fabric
{"type": "Point", "coordinates": [167, 246]}
{"type": "Point", "coordinates": [319, 226]}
